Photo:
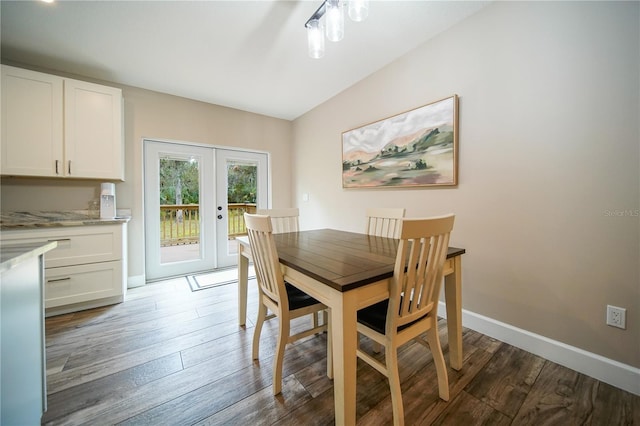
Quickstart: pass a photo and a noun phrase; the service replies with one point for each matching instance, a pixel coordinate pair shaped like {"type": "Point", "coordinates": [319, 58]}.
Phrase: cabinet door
{"type": "Point", "coordinates": [31, 123]}
{"type": "Point", "coordinates": [93, 131]}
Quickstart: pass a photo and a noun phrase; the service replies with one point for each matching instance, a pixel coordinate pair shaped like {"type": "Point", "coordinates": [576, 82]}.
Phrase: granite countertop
{"type": "Point", "coordinates": [53, 219]}
{"type": "Point", "coordinates": [12, 255]}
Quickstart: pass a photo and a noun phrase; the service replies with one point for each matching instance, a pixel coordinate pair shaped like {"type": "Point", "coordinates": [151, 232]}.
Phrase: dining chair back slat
{"type": "Point", "coordinates": [265, 260]}
{"type": "Point", "coordinates": [282, 220]}
{"type": "Point", "coordinates": [418, 270]}
{"type": "Point", "coordinates": [384, 222]}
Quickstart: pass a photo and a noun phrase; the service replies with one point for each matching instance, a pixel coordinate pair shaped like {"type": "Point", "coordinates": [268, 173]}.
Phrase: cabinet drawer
{"type": "Point", "coordinates": [74, 284]}
{"type": "Point", "coordinates": [77, 245]}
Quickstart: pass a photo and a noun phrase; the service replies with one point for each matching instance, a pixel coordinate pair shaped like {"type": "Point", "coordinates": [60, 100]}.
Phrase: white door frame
{"type": "Point", "coordinates": [214, 232]}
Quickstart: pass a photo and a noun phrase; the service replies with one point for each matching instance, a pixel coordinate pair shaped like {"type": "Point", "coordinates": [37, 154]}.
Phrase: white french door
{"type": "Point", "coordinates": [188, 219]}
{"type": "Point", "coordinates": [230, 165]}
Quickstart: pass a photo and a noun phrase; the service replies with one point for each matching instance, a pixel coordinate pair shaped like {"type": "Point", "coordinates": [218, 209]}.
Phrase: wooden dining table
{"type": "Point", "coordinates": [348, 271]}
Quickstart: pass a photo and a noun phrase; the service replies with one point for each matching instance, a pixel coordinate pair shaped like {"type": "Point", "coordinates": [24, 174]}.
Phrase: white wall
{"type": "Point", "coordinates": [549, 172]}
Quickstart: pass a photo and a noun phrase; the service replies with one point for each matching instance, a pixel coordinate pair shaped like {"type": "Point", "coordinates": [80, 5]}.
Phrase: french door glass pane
{"type": "Point", "coordinates": [179, 210]}
{"type": "Point", "coordinates": [242, 190]}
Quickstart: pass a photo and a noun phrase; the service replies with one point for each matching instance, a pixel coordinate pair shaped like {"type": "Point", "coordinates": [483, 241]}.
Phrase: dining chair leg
{"type": "Point", "coordinates": [278, 359]}
{"type": "Point", "coordinates": [329, 345]}
{"type": "Point", "coordinates": [262, 314]}
{"type": "Point", "coordinates": [393, 374]}
{"type": "Point", "coordinates": [438, 358]}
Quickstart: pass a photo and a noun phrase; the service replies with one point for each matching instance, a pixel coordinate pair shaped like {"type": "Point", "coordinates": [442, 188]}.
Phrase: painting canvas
{"type": "Point", "coordinates": [412, 149]}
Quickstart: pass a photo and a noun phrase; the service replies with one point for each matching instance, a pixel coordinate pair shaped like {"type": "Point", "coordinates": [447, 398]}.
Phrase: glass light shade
{"type": "Point", "coordinates": [358, 10]}
{"type": "Point", "coordinates": [315, 39]}
{"type": "Point", "coordinates": [334, 13]}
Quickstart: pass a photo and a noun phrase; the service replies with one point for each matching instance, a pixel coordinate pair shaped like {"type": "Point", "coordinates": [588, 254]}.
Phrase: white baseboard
{"type": "Point", "coordinates": [615, 373]}
{"type": "Point", "coordinates": [136, 281]}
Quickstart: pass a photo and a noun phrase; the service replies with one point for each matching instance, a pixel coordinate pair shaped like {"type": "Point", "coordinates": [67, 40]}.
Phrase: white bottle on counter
{"type": "Point", "coordinates": [108, 201]}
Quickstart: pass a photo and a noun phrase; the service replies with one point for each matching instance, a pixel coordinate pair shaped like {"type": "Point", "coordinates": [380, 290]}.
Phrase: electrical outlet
{"type": "Point", "coordinates": [616, 317]}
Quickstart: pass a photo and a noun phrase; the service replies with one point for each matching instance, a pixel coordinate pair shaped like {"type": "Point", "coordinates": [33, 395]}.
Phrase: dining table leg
{"type": "Point", "coordinates": [243, 284]}
{"type": "Point", "coordinates": [344, 344]}
{"type": "Point", "coordinates": [453, 299]}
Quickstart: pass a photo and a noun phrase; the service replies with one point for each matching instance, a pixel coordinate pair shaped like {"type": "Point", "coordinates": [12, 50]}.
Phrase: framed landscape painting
{"type": "Point", "coordinates": [413, 149]}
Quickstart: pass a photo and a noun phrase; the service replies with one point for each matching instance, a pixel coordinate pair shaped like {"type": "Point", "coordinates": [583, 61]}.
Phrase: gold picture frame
{"type": "Point", "coordinates": [416, 148]}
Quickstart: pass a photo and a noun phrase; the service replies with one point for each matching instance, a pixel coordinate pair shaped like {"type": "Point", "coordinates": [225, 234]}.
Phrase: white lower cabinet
{"type": "Point", "coordinates": [68, 285]}
{"type": "Point", "coordinates": [86, 270]}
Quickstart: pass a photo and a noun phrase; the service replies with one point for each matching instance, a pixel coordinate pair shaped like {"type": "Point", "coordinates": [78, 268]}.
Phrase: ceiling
{"type": "Point", "coordinates": [249, 55]}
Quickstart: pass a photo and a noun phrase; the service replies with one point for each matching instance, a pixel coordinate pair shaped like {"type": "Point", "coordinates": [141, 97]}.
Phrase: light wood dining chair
{"type": "Point", "coordinates": [412, 307]}
{"type": "Point", "coordinates": [286, 220]}
{"type": "Point", "coordinates": [282, 220]}
{"type": "Point", "coordinates": [384, 222]}
{"type": "Point", "coordinates": [283, 299]}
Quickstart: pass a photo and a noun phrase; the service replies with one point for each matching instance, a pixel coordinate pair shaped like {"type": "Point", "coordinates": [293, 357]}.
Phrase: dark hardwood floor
{"type": "Point", "coordinates": [169, 356]}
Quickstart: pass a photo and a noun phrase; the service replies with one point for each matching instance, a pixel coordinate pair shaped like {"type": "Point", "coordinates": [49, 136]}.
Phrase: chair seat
{"type": "Point", "coordinates": [298, 298]}
{"type": "Point", "coordinates": [375, 317]}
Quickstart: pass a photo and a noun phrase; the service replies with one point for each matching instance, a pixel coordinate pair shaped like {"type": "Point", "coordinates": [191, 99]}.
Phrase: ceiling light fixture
{"type": "Point", "coordinates": [334, 10]}
{"type": "Point", "coordinates": [335, 19]}
{"type": "Point", "coordinates": [315, 38]}
{"type": "Point", "coordinates": [358, 10]}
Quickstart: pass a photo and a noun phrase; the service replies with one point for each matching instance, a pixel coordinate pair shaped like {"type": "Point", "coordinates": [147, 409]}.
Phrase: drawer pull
{"type": "Point", "coordinates": [59, 279]}
{"type": "Point", "coordinates": [59, 239]}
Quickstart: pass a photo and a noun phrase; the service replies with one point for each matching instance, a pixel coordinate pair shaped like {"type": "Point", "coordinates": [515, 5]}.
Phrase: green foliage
{"type": "Point", "coordinates": [179, 177]}
{"type": "Point", "coordinates": [241, 181]}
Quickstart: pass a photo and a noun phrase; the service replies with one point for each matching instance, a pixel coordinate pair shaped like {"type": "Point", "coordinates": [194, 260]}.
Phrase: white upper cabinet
{"type": "Point", "coordinates": [60, 127]}
{"type": "Point", "coordinates": [32, 133]}
{"type": "Point", "coordinates": [93, 130]}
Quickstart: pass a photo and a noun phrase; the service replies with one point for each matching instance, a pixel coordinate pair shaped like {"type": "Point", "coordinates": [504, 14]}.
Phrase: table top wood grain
{"type": "Point", "coordinates": [342, 260]}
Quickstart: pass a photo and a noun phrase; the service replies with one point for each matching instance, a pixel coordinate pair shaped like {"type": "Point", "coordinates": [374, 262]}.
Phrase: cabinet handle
{"type": "Point", "coordinates": [59, 239]}
{"type": "Point", "coordinates": [59, 279]}
{"type": "Point", "coordinates": [69, 166]}
{"type": "Point", "coordinates": [57, 172]}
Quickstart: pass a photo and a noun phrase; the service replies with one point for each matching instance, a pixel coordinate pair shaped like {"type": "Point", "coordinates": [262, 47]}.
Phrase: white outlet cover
{"type": "Point", "coordinates": [616, 317]}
